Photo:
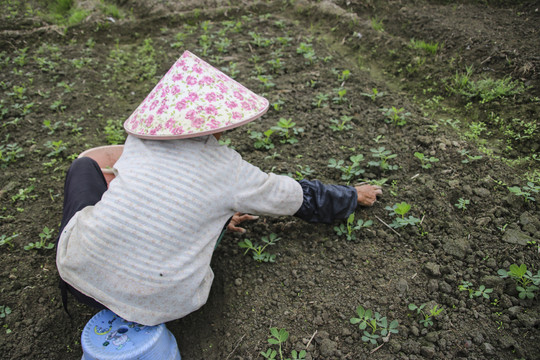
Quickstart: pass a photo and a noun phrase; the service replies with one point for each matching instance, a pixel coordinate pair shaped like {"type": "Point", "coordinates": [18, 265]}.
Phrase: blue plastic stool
{"type": "Point", "coordinates": [109, 337]}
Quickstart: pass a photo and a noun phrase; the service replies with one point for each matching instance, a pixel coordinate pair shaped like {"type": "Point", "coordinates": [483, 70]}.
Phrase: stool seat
{"type": "Point", "coordinates": [109, 337]}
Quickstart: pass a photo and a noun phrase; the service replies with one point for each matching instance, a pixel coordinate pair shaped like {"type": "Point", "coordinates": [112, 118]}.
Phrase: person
{"type": "Point", "coordinates": [142, 247]}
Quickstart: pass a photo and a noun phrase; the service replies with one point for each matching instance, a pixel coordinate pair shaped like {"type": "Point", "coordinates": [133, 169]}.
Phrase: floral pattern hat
{"type": "Point", "coordinates": [194, 99]}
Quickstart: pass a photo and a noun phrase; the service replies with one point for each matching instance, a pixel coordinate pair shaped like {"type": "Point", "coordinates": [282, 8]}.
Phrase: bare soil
{"type": "Point", "coordinates": [88, 78]}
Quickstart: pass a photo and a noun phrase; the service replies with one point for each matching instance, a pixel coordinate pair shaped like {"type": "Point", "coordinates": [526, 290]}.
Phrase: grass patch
{"type": "Point", "coordinates": [422, 45]}
{"type": "Point", "coordinates": [64, 12]}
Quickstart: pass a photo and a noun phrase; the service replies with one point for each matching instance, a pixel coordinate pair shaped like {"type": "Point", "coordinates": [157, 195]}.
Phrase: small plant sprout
{"type": "Point", "coordinates": [305, 171]}
{"type": "Point", "coordinates": [427, 317]}
{"type": "Point", "coordinates": [424, 160]}
{"type": "Point", "coordinates": [482, 290]}
{"type": "Point", "coordinates": [526, 192]}
{"type": "Point", "coordinates": [7, 240]}
{"type": "Point", "coordinates": [383, 155]}
{"type": "Point", "coordinates": [526, 282]}
{"type": "Point", "coordinates": [469, 158]}
{"type": "Point", "coordinates": [342, 123]}
{"type": "Point", "coordinates": [4, 311]}
{"type": "Point", "coordinates": [43, 242]}
{"type": "Point", "coordinates": [396, 116]}
{"type": "Point", "coordinates": [306, 49]}
{"type": "Point", "coordinates": [462, 204]}
{"type": "Point", "coordinates": [374, 95]}
{"type": "Point", "coordinates": [344, 76]}
{"type": "Point", "coordinates": [340, 98]}
{"type": "Point", "coordinates": [283, 128]}
{"type": "Point", "coordinates": [258, 251]}
{"type": "Point", "coordinates": [56, 147]}
{"type": "Point", "coordinates": [377, 24]}
{"type": "Point", "coordinates": [373, 325]}
{"type": "Point", "coordinates": [348, 172]}
{"type": "Point", "coordinates": [262, 140]}
{"type": "Point", "coordinates": [320, 100]}
{"type": "Point", "coordinates": [279, 337]}
{"type": "Point", "coordinates": [401, 209]}
{"type": "Point", "coordinates": [278, 105]}
{"type": "Point", "coordinates": [350, 227]}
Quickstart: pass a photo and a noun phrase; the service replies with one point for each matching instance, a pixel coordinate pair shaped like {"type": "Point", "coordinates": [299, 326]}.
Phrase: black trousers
{"type": "Point", "coordinates": [84, 186]}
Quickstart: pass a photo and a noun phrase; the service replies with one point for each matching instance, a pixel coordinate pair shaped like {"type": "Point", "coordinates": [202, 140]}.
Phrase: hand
{"type": "Point", "coordinates": [237, 219]}
{"type": "Point", "coordinates": [367, 194]}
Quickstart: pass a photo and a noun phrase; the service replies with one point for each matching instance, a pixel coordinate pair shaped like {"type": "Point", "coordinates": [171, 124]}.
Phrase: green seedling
{"type": "Point", "coordinates": [283, 128]}
{"type": "Point", "coordinates": [469, 158]}
{"type": "Point", "coordinates": [306, 49]}
{"type": "Point", "coordinates": [350, 227]}
{"type": "Point", "coordinates": [279, 337]}
{"type": "Point", "coordinates": [482, 290]}
{"type": "Point", "coordinates": [427, 317]}
{"type": "Point", "coordinates": [373, 325]}
{"type": "Point", "coordinates": [4, 311]}
{"type": "Point", "coordinates": [50, 126]}
{"type": "Point", "coordinates": [43, 243]}
{"type": "Point", "coordinates": [526, 192]}
{"type": "Point", "coordinates": [320, 100]}
{"type": "Point", "coordinates": [262, 140]}
{"type": "Point", "coordinates": [383, 155]}
{"type": "Point", "coordinates": [374, 95]}
{"type": "Point", "coordinates": [396, 116]}
{"type": "Point", "coordinates": [258, 40]}
{"type": "Point", "coordinates": [340, 98]}
{"type": "Point", "coordinates": [342, 123]}
{"type": "Point", "coordinates": [278, 105]}
{"type": "Point", "coordinates": [526, 282]}
{"type": "Point", "coordinates": [23, 194]}
{"type": "Point", "coordinates": [7, 240]}
{"type": "Point", "coordinates": [424, 160]}
{"type": "Point", "coordinates": [277, 64]}
{"type": "Point", "coordinates": [348, 172]}
{"type": "Point", "coordinates": [462, 204]}
{"type": "Point", "coordinates": [305, 171]}
{"type": "Point", "coordinates": [9, 154]}
{"type": "Point", "coordinates": [258, 251]}
{"type": "Point", "coordinates": [266, 81]}
{"type": "Point", "coordinates": [400, 210]}
{"type": "Point", "coordinates": [344, 76]}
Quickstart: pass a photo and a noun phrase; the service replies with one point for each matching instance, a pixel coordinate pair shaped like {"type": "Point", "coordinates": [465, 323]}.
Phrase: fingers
{"type": "Point", "coordinates": [237, 219]}
{"type": "Point", "coordinates": [237, 229]}
{"type": "Point", "coordinates": [367, 194]}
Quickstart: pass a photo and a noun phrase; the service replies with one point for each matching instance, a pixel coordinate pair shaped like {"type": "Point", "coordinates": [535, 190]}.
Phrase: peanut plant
{"type": "Point", "coordinates": [373, 325]}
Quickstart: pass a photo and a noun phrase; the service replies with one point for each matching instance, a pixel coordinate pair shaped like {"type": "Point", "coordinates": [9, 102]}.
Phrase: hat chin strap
{"type": "Point", "coordinates": [218, 135]}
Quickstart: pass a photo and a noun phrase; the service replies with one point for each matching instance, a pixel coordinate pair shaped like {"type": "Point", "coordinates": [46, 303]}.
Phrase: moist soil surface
{"type": "Point", "coordinates": [67, 89]}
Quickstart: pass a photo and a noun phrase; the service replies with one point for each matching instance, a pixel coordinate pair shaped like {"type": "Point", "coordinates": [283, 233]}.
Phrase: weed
{"type": "Point", "coordinates": [350, 227]}
{"type": "Point", "coordinates": [383, 155]}
{"type": "Point", "coordinates": [342, 123]}
{"type": "Point", "coordinates": [462, 204]}
{"type": "Point", "coordinates": [526, 282]}
{"type": "Point", "coordinates": [305, 171]}
{"type": "Point", "coordinates": [424, 160]}
{"type": "Point", "coordinates": [486, 89]}
{"type": "Point", "coordinates": [114, 132]}
{"type": "Point", "coordinates": [348, 172]}
{"type": "Point", "coordinates": [258, 251]}
{"type": "Point", "coordinates": [400, 210]}
{"type": "Point", "coordinates": [396, 116]}
{"type": "Point", "coordinates": [377, 24]}
{"type": "Point", "coordinates": [43, 243]}
{"type": "Point", "coordinates": [427, 318]}
{"type": "Point", "coordinates": [374, 95]}
{"type": "Point", "coordinates": [7, 240]}
{"type": "Point", "coordinates": [262, 140]}
{"type": "Point", "coordinates": [428, 47]}
{"type": "Point", "coordinates": [373, 325]}
{"type": "Point", "coordinates": [279, 337]}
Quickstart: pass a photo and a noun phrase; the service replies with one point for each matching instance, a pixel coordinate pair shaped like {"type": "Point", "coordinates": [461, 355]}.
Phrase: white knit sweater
{"type": "Point", "coordinates": [144, 250]}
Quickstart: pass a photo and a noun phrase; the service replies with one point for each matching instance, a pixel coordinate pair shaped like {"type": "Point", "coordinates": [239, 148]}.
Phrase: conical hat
{"type": "Point", "coordinates": [194, 99]}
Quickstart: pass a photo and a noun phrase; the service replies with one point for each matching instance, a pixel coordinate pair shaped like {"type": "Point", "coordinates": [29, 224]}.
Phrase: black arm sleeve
{"type": "Point", "coordinates": [325, 203]}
